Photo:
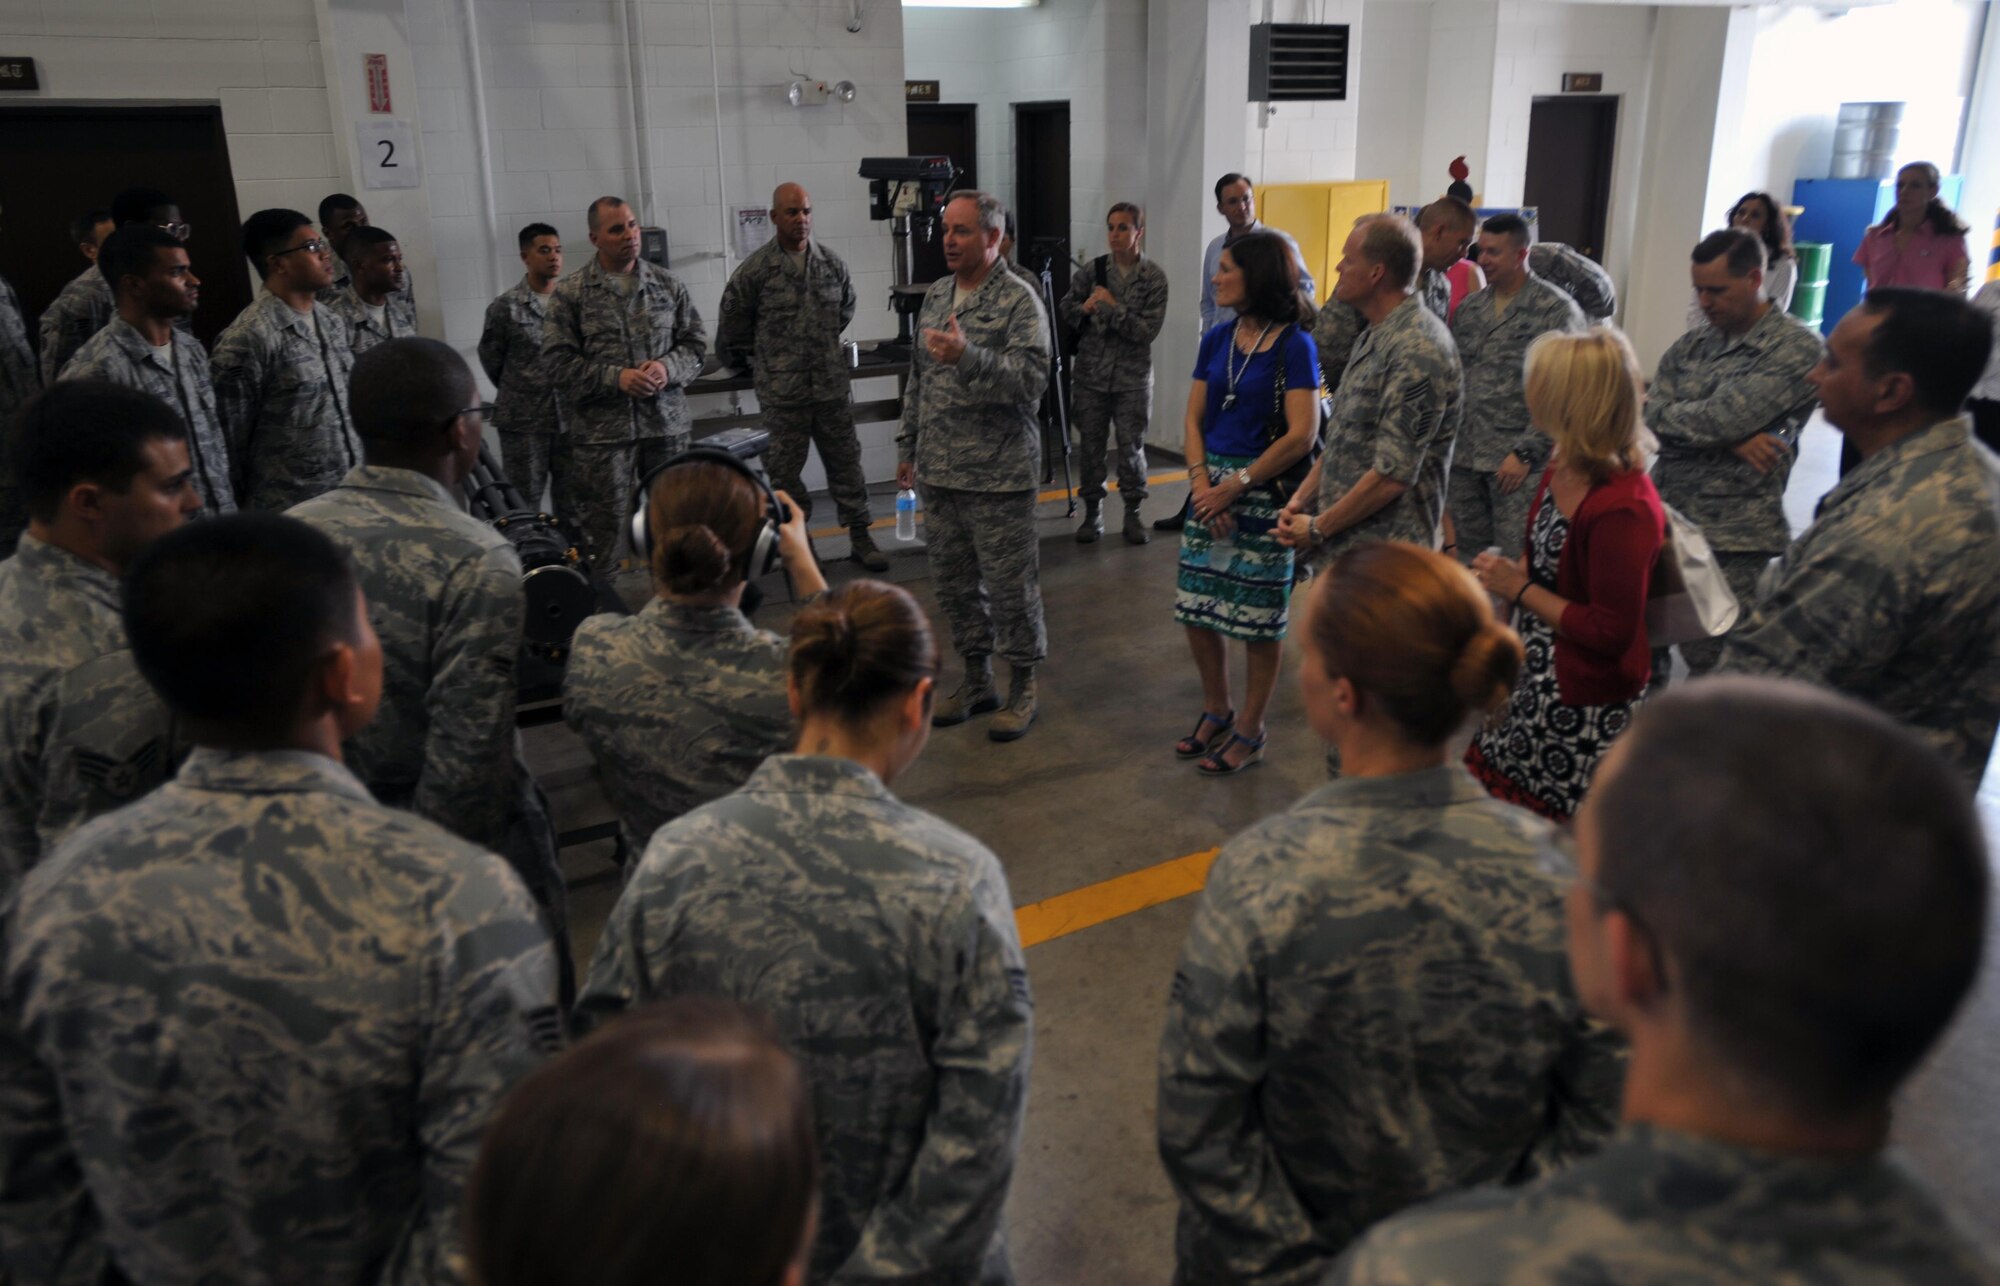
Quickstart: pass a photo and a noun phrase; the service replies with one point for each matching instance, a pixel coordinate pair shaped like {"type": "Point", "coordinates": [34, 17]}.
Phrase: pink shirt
{"type": "Point", "coordinates": [1463, 276]}
{"type": "Point", "coordinates": [1928, 261]}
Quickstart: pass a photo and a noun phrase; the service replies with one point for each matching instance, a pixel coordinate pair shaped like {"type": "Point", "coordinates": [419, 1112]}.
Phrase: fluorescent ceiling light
{"type": "Point", "coordinates": [970, 4]}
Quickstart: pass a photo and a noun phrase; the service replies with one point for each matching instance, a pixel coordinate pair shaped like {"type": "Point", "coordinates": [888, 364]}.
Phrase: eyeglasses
{"type": "Point", "coordinates": [1238, 200]}
{"type": "Point", "coordinates": [484, 410]}
{"type": "Point", "coordinates": [315, 246]}
{"type": "Point", "coordinates": [178, 231]}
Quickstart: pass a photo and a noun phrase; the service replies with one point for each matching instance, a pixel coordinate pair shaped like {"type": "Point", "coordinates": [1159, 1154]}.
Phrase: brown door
{"type": "Point", "coordinates": [1041, 189]}
{"type": "Point", "coordinates": [1570, 146]}
{"type": "Point", "coordinates": [62, 160]}
{"type": "Point", "coordinates": [943, 129]}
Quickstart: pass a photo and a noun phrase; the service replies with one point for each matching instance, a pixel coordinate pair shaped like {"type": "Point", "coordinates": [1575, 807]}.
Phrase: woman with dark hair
{"type": "Point", "coordinates": [1373, 1005]}
{"type": "Point", "coordinates": [1920, 242]}
{"type": "Point", "coordinates": [676, 1144]}
{"type": "Point", "coordinates": [1760, 214]}
{"type": "Point", "coordinates": [679, 703]}
{"type": "Point", "coordinates": [1252, 413]}
{"type": "Point", "coordinates": [880, 940]}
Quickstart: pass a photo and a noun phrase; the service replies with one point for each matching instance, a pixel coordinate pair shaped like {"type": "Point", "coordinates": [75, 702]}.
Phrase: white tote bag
{"type": "Point", "coordinates": [1689, 599]}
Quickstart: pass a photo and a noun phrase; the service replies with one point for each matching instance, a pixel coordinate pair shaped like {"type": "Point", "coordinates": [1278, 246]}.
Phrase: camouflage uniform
{"type": "Point", "coordinates": [80, 733]}
{"type": "Point", "coordinates": [1335, 334]}
{"type": "Point", "coordinates": [678, 706]}
{"type": "Point", "coordinates": [444, 595]}
{"type": "Point", "coordinates": [787, 319]}
{"type": "Point", "coordinates": [79, 312]}
{"type": "Point", "coordinates": [20, 379]}
{"type": "Point", "coordinates": [1373, 1007]}
{"type": "Point", "coordinates": [120, 354]}
{"type": "Point", "coordinates": [343, 280]}
{"type": "Point", "coordinates": [281, 388]}
{"type": "Point", "coordinates": [1713, 392]}
{"type": "Point", "coordinates": [1493, 350]}
{"type": "Point", "coordinates": [399, 319]}
{"type": "Point", "coordinates": [1112, 373]}
{"type": "Point", "coordinates": [524, 408]}
{"type": "Point", "coordinates": [1577, 276]}
{"type": "Point", "coordinates": [972, 432]}
{"type": "Point", "coordinates": [882, 943]}
{"type": "Point", "coordinates": [1660, 1208]}
{"type": "Point", "coordinates": [253, 1026]}
{"type": "Point", "coordinates": [1434, 289]}
{"type": "Point", "coordinates": [593, 332]}
{"type": "Point", "coordinates": [1396, 413]}
{"type": "Point", "coordinates": [1890, 596]}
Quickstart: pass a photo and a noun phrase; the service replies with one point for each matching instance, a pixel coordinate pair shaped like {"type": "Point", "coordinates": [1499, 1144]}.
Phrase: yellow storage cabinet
{"type": "Point", "coordinates": [1319, 217]}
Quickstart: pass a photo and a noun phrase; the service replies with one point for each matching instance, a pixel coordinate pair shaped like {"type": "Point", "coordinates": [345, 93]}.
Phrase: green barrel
{"type": "Point", "coordinates": [1809, 295]}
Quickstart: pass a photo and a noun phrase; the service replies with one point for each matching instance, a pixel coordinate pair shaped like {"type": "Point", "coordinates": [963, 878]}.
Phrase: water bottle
{"type": "Point", "coordinates": [906, 514]}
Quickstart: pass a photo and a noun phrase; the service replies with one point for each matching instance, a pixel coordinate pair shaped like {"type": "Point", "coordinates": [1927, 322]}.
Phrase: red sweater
{"type": "Point", "coordinates": [1602, 654]}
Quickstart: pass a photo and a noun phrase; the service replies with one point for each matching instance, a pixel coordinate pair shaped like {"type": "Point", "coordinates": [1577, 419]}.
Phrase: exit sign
{"type": "Point", "coordinates": [1583, 82]}
{"type": "Point", "coordinates": [18, 73]}
{"type": "Point", "coordinates": [921, 91]}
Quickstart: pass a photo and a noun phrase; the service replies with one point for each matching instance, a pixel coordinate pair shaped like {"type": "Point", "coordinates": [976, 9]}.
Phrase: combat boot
{"type": "Point", "coordinates": [975, 695]}
{"type": "Point", "coordinates": [1135, 530]}
{"type": "Point", "coordinates": [1012, 723]}
{"type": "Point", "coordinates": [864, 550]}
{"type": "Point", "coordinates": [1093, 521]}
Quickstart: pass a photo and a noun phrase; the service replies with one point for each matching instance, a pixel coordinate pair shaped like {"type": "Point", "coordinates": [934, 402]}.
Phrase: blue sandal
{"type": "Point", "coordinates": [1193, 747]}
{"type": "Point", "coordinates": [1214, 765]}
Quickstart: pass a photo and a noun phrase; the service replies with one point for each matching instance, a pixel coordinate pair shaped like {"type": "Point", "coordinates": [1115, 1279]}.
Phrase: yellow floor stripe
{"type": "Point", "coordinates": [1057, 494]}
{"type": "Point", "coordinates": [1093, 904]}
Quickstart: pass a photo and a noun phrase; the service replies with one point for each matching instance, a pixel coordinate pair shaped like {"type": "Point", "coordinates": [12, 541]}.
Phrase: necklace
{"type": "Point", "coordinates": [1235, 371]}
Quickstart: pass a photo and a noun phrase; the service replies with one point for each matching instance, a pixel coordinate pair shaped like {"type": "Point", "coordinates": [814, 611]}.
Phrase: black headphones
{"type": "Point", "coordinates": [762, 556]}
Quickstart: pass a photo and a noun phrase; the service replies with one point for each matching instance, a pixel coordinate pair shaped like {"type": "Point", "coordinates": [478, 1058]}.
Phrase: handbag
{"type": "Point", "coordinates": [1288, 483]}
{"type": "Point", "coordinates": [1689, 599]}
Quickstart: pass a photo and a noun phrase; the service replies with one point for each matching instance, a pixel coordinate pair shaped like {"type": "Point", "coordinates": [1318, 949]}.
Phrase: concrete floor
{"type": "Point", "coordinates": [1093, 792]}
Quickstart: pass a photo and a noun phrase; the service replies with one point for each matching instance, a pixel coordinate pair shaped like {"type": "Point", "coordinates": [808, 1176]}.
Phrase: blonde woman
{"type": "Point", "coordinates": [1579, 593]}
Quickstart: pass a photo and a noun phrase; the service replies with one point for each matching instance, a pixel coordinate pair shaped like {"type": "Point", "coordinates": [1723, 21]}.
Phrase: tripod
{"type": "Point", "coordinates": [1055, 401]}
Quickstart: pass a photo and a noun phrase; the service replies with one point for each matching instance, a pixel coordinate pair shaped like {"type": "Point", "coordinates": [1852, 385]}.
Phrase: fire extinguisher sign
{"type": "Point", "coordinates": [378, 82]}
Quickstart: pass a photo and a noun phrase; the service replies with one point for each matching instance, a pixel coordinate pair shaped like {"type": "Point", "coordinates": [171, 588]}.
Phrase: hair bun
{"type": "Point", "coordinates": [1487, 666]}
{"type": "Point", "coordinates": [693, 560]}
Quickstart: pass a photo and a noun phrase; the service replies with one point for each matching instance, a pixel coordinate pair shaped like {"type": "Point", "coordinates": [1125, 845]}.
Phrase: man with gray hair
{"type": "Point", "coordinates": [620, 342]}
{"type": "Point", "coordinates": [1395, 418]}
{"type": "Point", "coordinates": [1727, 406]}
{"type": "Point", "coordinates": [970, 438]}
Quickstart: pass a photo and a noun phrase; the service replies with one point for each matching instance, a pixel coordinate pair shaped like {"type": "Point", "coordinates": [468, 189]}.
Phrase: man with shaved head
{"type": "Point", "coordinates": [1448, 226]}
{"type": "Point", "coordinates": [620, 341]}
{"type": "Point", "coordinates": [782, 313]}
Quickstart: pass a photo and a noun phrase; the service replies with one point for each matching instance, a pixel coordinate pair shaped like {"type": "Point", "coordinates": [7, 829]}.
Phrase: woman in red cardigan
{"type": "Point", "coordinates": [1579, 592]}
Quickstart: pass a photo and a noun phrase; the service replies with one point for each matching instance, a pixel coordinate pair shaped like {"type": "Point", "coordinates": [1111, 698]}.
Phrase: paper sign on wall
{"type": "Point", "coordinates": [388, 155]}
{"type": "Point", "coordinates": [753, 230]}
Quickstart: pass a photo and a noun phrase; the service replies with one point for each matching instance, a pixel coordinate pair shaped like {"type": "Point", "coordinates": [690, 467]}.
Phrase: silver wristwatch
{"type": "Point", "coordinates": [1242, 477]}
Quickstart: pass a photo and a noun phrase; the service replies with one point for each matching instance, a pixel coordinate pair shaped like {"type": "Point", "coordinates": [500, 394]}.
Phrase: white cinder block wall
{"type": "Point", "coordinates": [261, 60]}
{"type": "Point", "coordinates": [1309, 142]}
{"type": "Point", "coordinates": [559, 131]}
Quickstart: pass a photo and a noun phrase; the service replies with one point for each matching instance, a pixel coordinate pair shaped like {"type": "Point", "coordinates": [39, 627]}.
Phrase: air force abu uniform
{"type": "Point", "coordinates": [600, 324]}
{"type": "Point", "coordinates": [444, 595]}
{"type": "Point", "coordinates": [1396, 412]}
{"type": "Point", "coordinates": [1659, 1208]}
{"type": "Point", "coordinates": [80, 311]}
{"type": "Point", "coordinates": [786, 313]}
{"type": "Point", "coordinates": [20, 379]}
{"type": "Point", "coordinates": [1373, 1007]}
{"type": "Point", "coordinates": [1577, 276]}
{"type": "Point", "coordinates": [1890, 596]}
{"type": "Point", "coordinates": [524, 408]}
{"type": "Point", "coordinates": [881, 941]}
{"type": "Point", "coordinates": [1492, 349]}
{"type": "Point", "coordinates": [281, 389]}
{"type": "Point", "coordinates": [364, 329]}
{"type": "Point", "coordinates": [972, 433]}
{"type": "Point", "coordinates": [254, 1025]}
{"type": "Point", "coordinates": [1112, 375]}
{"type": "Point", "coordinates": [120, 354]}
{"type": "Point", "coordinates": [1714, 392]}
{"type": "Point", "coordinates": [678, 705]}
{"type": "Point", "coordinates": [80, 732]}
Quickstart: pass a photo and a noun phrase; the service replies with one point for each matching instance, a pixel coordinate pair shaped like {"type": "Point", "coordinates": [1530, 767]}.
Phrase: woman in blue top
{"type": "Point", "coordinates": [1244, 429]}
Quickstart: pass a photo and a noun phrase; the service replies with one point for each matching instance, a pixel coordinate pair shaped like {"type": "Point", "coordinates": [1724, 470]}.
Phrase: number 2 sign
{"type": "Point", "coordinates": [388, 155]}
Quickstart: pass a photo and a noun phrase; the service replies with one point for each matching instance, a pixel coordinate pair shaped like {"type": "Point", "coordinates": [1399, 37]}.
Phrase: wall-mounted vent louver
{"type": "Point", "coordinates": [1295, 62]}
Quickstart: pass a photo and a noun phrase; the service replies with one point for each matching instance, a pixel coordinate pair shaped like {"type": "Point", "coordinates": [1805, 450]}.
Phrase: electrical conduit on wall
{"type": "Point", "coordinates": [635, 45]}
{"type": "Point", "coordinates": [482, 148]}
{"type": "Point", "coordinates": [721, 166]}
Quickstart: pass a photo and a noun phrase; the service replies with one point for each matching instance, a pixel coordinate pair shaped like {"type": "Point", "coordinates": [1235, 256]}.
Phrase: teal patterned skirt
{"type": "Point", "coordinates": [1241, 586]}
